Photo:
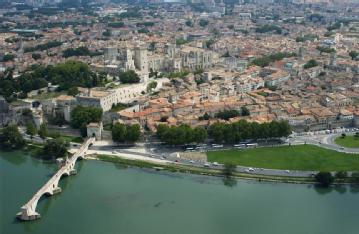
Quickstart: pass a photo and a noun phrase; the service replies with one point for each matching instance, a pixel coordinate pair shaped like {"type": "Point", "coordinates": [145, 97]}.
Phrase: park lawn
{"type": "Point", "coordinates": [72, 139]}
{"type": "Point", "coordinates": [299, 157]}
{"type": "Point", "coordinates": [348, 141]}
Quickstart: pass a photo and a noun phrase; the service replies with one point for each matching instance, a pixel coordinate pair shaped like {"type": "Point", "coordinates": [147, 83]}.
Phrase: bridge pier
{"type": "Point", "coordinates": [73, 172]}
{"type": "Point", "coordinates": [26, 215]}
{"type": "Point", "coordinates": [56, 191]}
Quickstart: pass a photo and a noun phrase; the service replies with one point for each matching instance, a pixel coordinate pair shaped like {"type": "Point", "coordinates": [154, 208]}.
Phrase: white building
{"type": "Point", "coordinates": [105, 99]}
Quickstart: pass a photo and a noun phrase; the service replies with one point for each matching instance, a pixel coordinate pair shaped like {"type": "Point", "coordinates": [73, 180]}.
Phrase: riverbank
{"type": "Point", "coordinates": [144, 162]}
{"type": "Point", "coordinates": [174, 167]}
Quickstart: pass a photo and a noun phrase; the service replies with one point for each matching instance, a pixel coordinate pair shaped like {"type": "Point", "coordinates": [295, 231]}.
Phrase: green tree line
{"type": "Point", "coordinates": [243, 130]}
{"type": "Point", "coordinates": [122, 133]}
{"type": "Point", "coordinates": [266, 60]}
{"type": "Point", "coordinates": [42, 47]}
{"type": "Point", "coordinates": [180, 135]}
{"type": "Point", "coordinates": [222, 132]}
{"type": "Point", "coordinates": [80, 51]}
{"type": "Point", "coordinates": [311, 63]}
{"type": "Point", "coordinates": [324, 49]}
{"type": "Point", "coordinates": [66, 75]}
{"type": "Point", "coordinates": [269, 28]}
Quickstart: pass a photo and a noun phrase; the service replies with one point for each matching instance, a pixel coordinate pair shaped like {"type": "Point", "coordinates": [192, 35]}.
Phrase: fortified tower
{"type": "Point", "coordinates": [141, 61]}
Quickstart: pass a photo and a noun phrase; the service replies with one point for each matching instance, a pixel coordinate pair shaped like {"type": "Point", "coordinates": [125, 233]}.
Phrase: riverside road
{"type": "Point", "coordinates": [157, 151]}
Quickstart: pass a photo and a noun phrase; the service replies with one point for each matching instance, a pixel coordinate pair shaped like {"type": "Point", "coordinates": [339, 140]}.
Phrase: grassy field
{"type": "Point", "coordinates": [66, 138]}
{"type": "Point", "coordinates": [301, 157]}
{"type": "Point", "coordinates": [348, 141]}
{"type": "Point", "coordinates": [72, 139]}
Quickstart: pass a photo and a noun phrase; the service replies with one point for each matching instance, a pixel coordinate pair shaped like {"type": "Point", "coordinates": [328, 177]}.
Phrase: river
{"type": "Point", "coordinates": [104, 198]}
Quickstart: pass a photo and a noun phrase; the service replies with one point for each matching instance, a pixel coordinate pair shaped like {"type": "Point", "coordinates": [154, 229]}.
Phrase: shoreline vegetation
{"type": "Point", "coordinates": [212, 172]}
{"type": "Point", "coordinates": [34, 148]}
{"type": "Point", "coordinates": [172, 167]}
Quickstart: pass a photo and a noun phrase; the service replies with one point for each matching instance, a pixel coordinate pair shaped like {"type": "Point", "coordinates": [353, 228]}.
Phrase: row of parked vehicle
{"type": "Point", "coordinates": [218, 146]}
{"type": "Point", "coordinates": [328, 131]}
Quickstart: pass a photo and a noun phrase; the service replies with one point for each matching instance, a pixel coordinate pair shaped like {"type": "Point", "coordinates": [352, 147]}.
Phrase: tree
{"type": "Point", "coordinates": [216, 131]}
{"type": "Point", "coordinates": [118, 24]}
{"type": "Point", "coordinates": [31, 129]}
{"type": "Point", "coordinates": [199, 135]}
{"type": "Point", "coordinates": [355, 177]}
{"type": "Point", "coordinates": [227, 114]}
{"type": "Point", "coordinates": [161, 131]}
{"type": "Point", "coordinates": [324, 178]}
{"type": "Point", "coordinates": [189, 23]}
{"type": "Point", "coordinates": [327, 50]}
{"type": "Point", "coordinates": [245, 111]}
{"type": "Point", "coordinates": [206, 116]}
{"type": "Point", "coordinates": [334, 26]}
{"type": "Point", "coordinates": [181, 41]}
{"type": "Point", "coordinates": [129, 77]}
{"type": "Point", "coordinates": [36, 56]}
{"type": "Point", "coordinates": [227, 172]}
{"type": "Point", "coordinates": [55, 148]}
{"type": "Point", "coordinates": [133, 132]}
{"type": "Point", "coordinates": [45, 46]}
{"type": "Point", "coordinates": [58, 120]}
{"type": "Point", "coordinates": [284, 129]}
{"type": "Point", "coordinates": [353, 54]}
{"type": "Point", "coordinates": [151, 86]}
{"type": "Point", "coordinates": [8, 57]}
{"type": "Point", "coordinates": [242, 130]}
{"type": "Point", "coordinates": [119, 132]}
{"type": "Point", "coordinates": [80, 51]}
{"type": "Point", "coordinates": [311, 63]}
{"type": "Point", "coordinates": [341, 175]}
{"type": "Point", "coordinates": [81, 116]}
{"type": "Point", "coordinates": [266, 60]}
{"type": "Point", "coordinates": [66, 75]}
{"type": "Point", "coordinates": [164, 119]}
{"type": "Point", "coordinates": [11, 138]}
{"type": "Point", "coordinates": [203, 23]}
{"type": "Point", "coordinates": [269, 28]}
{"type": "Point", "coordinates": [43, 131]}
{"type": "Point", "coordinates": [180, 135]}
{"type": "Point", "coordinates": [73, 91]}
{"type": "Point", "coordinates": [228, 169]}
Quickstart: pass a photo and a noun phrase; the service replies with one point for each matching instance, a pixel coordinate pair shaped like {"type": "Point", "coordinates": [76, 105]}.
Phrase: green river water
{"type": "Point", "coordinates": [107, 199]}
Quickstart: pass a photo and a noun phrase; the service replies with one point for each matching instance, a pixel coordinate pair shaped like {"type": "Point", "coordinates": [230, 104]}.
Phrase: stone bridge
{"type": "Point", "coordinates": [28, 211]}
